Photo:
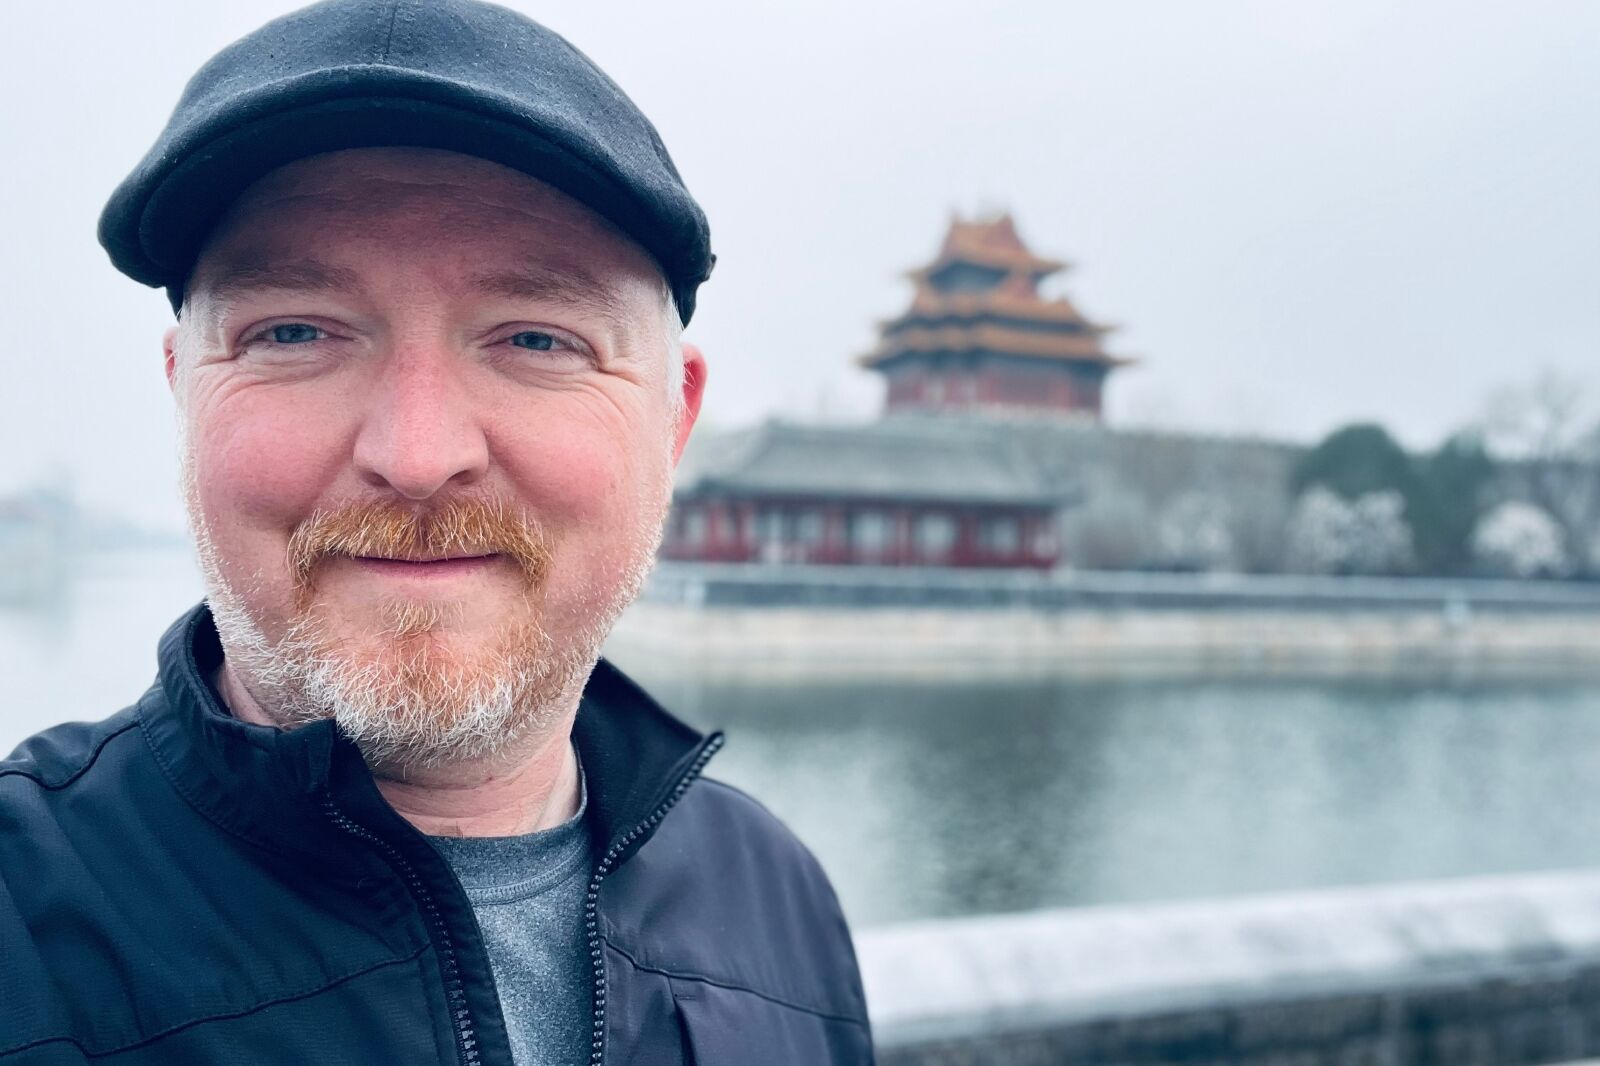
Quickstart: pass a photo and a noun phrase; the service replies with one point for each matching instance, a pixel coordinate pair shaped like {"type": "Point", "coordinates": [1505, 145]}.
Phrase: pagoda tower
{"type": "Point", "coordinates": [979, 336]}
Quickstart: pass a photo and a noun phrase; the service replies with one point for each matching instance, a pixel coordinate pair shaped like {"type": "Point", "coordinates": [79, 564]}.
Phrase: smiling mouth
{"type": "Point", "coordinates": [442, 567]}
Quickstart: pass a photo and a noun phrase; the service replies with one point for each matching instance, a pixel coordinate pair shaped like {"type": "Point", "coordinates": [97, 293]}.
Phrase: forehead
{"type": "Point", "coordinates": [370, 209]}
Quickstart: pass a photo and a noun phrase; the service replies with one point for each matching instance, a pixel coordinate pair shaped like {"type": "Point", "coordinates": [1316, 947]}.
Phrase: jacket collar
{"type": "Point", "coordinates": [268, 784]}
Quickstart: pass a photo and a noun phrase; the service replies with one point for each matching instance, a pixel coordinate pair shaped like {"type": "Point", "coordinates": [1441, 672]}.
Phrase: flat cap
{"type": "Point", "coordinates": [461, 75]}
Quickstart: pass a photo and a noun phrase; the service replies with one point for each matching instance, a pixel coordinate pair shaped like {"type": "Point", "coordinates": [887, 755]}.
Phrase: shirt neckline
{"type": "Point", "coordinates": [506, 869]}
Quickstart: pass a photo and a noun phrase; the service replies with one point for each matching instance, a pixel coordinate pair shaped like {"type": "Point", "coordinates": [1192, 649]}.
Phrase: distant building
{"type": "Point", "coordinates": [896, 492]}
{"type": "Point", "coordinates": [978, 335]}
{"type": "Point", "coordinates": [989, 384]}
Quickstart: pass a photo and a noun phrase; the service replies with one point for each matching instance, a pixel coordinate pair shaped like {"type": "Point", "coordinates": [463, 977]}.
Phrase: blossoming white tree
{"type": "Point", "coordinates": [1194, 532]}
{"type": "Point", "coordinates": [1329, 535]}
{"type": "Point", "coordinates": [1518, 539]}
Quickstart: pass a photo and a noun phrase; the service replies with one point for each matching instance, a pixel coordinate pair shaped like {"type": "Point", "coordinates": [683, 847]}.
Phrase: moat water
{"type": "Point", "coordinates": [928, 799]}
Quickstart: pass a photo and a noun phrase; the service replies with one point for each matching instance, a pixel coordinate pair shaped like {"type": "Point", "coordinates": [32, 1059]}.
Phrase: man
{"type": "Point", "coordinates": [383, 804]}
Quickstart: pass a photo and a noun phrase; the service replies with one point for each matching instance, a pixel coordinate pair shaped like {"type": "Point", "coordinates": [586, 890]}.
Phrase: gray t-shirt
{"type": "Point", "coordinates": [528, 894]}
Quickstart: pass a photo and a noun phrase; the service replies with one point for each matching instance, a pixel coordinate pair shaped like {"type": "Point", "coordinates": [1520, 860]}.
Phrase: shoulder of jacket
{"type": "Point", "coordinates": [726, 894]}
{"type": "Point", "coordinates": [55, 758]}
{"type": "Point", "coordinates": [734, 816]}
{"type": "Point", "coordinates": [740, 804]}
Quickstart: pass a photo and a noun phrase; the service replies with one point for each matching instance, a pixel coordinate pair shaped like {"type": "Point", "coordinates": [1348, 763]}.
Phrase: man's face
{"type": "Point", "coordinates": [430, 413]}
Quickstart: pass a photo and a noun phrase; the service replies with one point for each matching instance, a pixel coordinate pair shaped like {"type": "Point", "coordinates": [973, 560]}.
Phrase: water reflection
{"type": "Point", "coordinates": [941, 799]}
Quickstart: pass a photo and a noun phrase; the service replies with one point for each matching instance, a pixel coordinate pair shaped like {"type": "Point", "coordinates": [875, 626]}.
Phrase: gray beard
{"type": "Point", "coordinates": [399, 712]}
{"type": "Point", "coordinates": [398, 716]}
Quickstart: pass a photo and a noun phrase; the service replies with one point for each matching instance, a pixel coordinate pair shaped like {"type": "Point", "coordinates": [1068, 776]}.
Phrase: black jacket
{"type": "Point", "coordinates": [178, 886]}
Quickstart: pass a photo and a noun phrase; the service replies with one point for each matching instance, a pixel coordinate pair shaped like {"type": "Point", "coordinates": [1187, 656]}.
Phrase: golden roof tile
{"type": "Point", "coordinates": [1001, 340]}
{"type": "Point", "coordinates": [990, 242]}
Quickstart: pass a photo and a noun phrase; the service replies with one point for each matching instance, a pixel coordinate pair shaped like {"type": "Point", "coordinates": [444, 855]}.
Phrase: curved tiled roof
{"type": "Point", "coordinates": [992, 242]}
{"type": "Point", "coordinates": [945, 462]}
{"type": "Point", "coordinates": [998, 339]}
{"type": "Point", "coordinates": [1004, 301]}
{"type": "Point", "coordinates": [1002, 314]}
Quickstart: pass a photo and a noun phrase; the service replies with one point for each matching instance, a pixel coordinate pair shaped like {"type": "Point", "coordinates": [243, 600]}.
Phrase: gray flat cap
{"type": "Point", "coordinates": [454, 74]}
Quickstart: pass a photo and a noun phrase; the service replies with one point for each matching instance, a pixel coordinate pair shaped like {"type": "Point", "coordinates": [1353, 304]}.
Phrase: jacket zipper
{"type": "Point", "coordinates": [591, 906]}
{"type": "Point", "coordinates": [455, 993]}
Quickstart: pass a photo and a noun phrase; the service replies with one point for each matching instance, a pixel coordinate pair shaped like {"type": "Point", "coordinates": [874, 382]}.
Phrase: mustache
{"type": "Point", "coordinates": [384, 529]}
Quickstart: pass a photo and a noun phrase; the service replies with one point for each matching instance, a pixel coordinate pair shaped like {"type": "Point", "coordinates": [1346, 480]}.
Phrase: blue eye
{"type": "Point", "coordinates": [294, 333]}
{"type": "Point", "coordinates": [533, 340]}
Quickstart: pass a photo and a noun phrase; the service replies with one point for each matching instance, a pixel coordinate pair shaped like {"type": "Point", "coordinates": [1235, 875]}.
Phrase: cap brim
{"type": "Point", "coordinates": [154, 230]}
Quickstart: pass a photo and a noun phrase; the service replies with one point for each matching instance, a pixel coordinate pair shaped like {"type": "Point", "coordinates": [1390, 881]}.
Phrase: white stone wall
{"type": "Point", "coordinates": [816, 641]}
{"type": "Point", "coordinates": [1474, 971]}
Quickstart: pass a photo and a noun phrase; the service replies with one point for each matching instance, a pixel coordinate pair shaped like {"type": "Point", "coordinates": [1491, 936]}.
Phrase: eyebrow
{"type": "Point", "coordinates": [570, 287]}
{"type": "Point", "coordinates": [304, 275]}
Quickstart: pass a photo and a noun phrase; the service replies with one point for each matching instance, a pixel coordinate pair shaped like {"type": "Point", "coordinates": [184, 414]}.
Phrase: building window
{"type": "Point", "coordinates": [935, 535]}
{"type": "Point", "coordinates": [1044, 539]}
{"type": "Point", "coordinates": [770, 526]}
{"type": "Point", "coordinates": [694, 527]}
{"type": "Point", "coordinates": [999, 536]}
{"type": "Point", "coordinates": [869, 532]}
{"type": "Point", "coordinates": [811, 530]}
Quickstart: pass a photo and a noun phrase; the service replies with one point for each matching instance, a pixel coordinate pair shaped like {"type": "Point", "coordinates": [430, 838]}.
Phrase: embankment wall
{"type": "Point", "coordinates": [1479, 972]}
{"type": "Point", "coordinates": [861, 621]}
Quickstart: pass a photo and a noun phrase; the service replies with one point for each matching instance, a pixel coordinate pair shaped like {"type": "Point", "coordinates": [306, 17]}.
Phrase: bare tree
{"type": "Point", "coordinates": [1548, 437]}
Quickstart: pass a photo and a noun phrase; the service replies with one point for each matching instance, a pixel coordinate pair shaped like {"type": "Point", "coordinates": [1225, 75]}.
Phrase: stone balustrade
{"type": "Point", "coordinates": [1473, 972]}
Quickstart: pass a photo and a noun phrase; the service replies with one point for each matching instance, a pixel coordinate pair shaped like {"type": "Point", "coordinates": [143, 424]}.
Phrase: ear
{"type": "Point", "coordinates": [169, 348]}
{"type": "Point", "coordinates": [694, 388]}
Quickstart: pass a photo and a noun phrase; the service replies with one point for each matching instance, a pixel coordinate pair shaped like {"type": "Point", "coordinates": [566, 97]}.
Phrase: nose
{"type": "Point", "coordinates": [420, 431]}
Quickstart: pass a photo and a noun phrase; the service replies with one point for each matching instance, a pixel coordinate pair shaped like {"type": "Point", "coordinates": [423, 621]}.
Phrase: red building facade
{"type": "Point", "coordinates": [820, 532]}
{"type": "Point", "coordinates": [896, 492]}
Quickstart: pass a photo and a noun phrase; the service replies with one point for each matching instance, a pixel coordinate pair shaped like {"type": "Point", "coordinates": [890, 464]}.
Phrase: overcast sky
{"type": "Point", "coordinates": [1300, 212]}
